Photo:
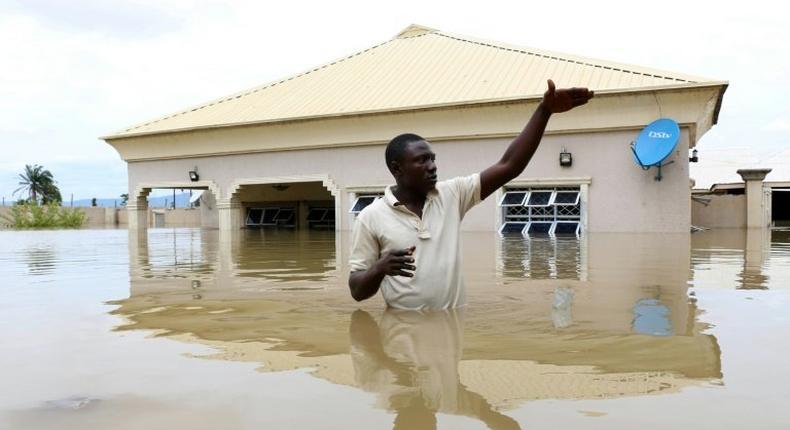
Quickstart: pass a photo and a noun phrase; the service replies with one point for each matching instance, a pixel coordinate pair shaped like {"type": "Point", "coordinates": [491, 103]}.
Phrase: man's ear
{"type": "Point", "coordinates": [395, 169]}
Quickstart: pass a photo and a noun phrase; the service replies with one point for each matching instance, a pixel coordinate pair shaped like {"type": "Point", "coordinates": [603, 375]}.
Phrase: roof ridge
{"type": "Point", "coordinates": [562, 57]}
{"type": "Point", "coordinates": [254, 90]}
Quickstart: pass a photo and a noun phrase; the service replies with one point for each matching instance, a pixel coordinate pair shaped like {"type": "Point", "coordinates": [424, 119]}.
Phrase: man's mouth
{"type": "Point", "coordinates": [432, 178]}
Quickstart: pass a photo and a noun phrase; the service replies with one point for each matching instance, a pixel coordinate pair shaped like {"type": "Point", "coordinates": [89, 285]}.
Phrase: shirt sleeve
{"type": "Point", "coordinates": [364, 248]}
{"type": "Point", "coordinates": [467, 188]}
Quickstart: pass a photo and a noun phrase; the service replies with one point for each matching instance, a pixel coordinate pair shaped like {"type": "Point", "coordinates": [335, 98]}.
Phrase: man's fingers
{"type": "Point", "coordinates": [551, 86]}
{"type": "Point", "coordinates": [402, 273]}
{"type": "Point", "coordinates": [579, 102]}
{"type": "Point", "coordinates": [401, 252]}
{"type": "Point", "coordinates": [404, 259]}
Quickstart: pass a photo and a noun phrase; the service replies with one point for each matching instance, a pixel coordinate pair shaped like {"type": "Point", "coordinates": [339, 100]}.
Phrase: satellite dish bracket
{"type": "Point", "coordinates": [647, 167]}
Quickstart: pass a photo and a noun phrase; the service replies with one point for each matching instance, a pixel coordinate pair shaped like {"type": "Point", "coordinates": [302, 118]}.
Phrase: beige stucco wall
{"type": "Point", "coordinates": [724, 211]}
{"type": "Point", "coordinates": [622, 197]}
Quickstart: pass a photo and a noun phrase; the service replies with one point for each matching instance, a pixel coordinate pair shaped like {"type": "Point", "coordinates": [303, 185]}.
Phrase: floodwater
{"type": "Point", "coordinates": [179, 329]}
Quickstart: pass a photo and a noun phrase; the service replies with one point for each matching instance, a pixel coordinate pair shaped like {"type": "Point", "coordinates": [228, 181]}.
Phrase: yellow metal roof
{"type": "Point", "coordinates": [419, 68]}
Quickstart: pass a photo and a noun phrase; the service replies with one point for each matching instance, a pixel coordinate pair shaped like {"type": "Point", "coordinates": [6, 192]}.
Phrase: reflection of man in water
{"type": "Point", "coordinates": [406, 244]}
{"type": "Point", "coordinates": [411, 359]}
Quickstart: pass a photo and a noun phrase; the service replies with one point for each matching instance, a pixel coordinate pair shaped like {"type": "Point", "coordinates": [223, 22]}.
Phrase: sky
{"type": "Point", "coordinates": [76, 70]}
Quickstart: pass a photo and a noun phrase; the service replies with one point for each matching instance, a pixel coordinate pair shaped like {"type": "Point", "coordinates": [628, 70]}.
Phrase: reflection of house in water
{"type": "Point", "coordinates": [746, 250]}
{"type": "Point", "coordinates": [627, 328]}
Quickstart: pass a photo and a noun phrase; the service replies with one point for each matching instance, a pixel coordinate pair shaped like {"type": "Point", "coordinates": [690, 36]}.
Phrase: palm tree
{"type": "Point", "coordinates": [38, 181]}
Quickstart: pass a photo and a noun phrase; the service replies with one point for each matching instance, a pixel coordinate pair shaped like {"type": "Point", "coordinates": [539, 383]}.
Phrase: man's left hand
{"type": "Point", "coordinates": [564, 99]}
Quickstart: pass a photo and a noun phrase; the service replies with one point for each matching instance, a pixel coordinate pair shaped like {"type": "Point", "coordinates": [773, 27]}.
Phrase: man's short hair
{"type": "Point", "coordinates": [397, 147]}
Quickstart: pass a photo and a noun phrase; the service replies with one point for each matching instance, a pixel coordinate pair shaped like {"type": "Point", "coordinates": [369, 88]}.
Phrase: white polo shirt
{"type": "Point", "coordinates": [387, 225]}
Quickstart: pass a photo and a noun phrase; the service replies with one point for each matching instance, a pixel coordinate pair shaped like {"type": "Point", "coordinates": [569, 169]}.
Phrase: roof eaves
{"type": "Point", "coordinates": [469, 103]}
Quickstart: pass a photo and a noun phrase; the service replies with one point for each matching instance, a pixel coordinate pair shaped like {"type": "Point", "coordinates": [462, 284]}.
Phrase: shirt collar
{"type": "Point", "coordinates": [393, 202]}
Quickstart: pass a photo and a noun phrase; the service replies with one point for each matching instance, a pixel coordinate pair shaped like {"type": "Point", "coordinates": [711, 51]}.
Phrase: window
{"type": "Point", "coordinates": [541, 211]}
{"type": "Point", "coordinates": [269, 216]}
{"type": "Point", "coordinates": [321, 217]}
{"type": "Point", "coordinates": [286, 217]}
{"type": "Point", "coordinates": [512, 227]}
{"type": "Point", "coordinates": [254, 216]}
{"type": "Point", "coordinates": [535, 228]}
{"type": "Point", "coordinates": [513, 198]}
{"type": "Point", "coordinates": [316, 214]}
{"type": "Point", "coordinates": [566, 198]}
{"type": "Point", "coordinates": [565, 228]}
{"type": "Point", "coordinates": [362, 201]}
{"type": "Point", "coordinates": [539, 198]}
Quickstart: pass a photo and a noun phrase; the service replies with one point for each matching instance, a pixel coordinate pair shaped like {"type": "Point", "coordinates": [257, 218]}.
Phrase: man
{"type": "Point", "coordinates": [407, 243]}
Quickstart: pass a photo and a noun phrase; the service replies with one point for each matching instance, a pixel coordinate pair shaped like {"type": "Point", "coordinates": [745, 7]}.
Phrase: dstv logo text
{"type": "Point", "coordinates": [660, 134]}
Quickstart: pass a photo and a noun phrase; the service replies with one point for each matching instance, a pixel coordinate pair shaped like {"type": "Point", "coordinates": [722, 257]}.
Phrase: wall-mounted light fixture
{"type": "Point", "coordinates": [694, 158]}
{"type": "Point", "coordinates": [280, 187]}
{"type": "Point", "coordinates": [193, 175]}
{"type": "Point", "coordinates": [566, 158]}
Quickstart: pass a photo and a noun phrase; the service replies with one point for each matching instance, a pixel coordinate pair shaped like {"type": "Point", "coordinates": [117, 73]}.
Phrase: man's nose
{"type": "Point", "coordinates": [431, 166]}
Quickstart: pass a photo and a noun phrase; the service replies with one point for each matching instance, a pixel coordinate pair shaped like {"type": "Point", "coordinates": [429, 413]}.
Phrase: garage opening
{"type": "Point", "coordinates": [780, 207]}
{"type": "Point", "coordinates": [290, 206]}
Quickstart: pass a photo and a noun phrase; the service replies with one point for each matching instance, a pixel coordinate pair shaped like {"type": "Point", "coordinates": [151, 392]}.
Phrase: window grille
{"type": "Point", "coordinates": [541, 211]}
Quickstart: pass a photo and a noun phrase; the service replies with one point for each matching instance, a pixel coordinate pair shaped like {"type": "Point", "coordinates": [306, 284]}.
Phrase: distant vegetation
{"type": "Point", "coordinates": [39, 184]}
{"type": "Point", "coordinates": [48, 215]}
{"type": "Point", "coordinates": [42, 207]}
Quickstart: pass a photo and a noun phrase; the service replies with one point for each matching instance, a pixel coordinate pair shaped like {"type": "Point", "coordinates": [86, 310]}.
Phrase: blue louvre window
{"type": "Point", "coordinates": [254, 216]}
{"type": "Point", "coordinates": [566, 228]}
{"type": "Point", "coordinates": [512, 227]}
{"type": "Point", "coordinates": [330, 215]}
{"type": "Point", "coordinates": [286, 216]}
{"type": "Point", "coordinates": [513, 198]}
{"type": "Point", "coordinates": [269, 216]}
{"type": "Point", "coordinates": [566, 198]}
{"type": "Point", "coordinates": [361, 203]}
{"type": "Point", "coordinates": [538, 228]}
{"type": "Point", "coordinates": [316, 214]}
{"type": "Point", "coordinates": [539, 198]}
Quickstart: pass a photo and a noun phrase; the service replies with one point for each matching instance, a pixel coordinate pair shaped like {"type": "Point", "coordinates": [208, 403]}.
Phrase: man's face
{"type": "Point", "coordinates": [417, 169]}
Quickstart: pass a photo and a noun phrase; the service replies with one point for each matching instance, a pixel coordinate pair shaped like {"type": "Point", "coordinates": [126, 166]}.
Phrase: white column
{"type": "Point", "coordinates": [138, 216]}
{"type": "Point", "coordinates": [229, 215]}
{"type": "Point", "coordinates": [756, 206]}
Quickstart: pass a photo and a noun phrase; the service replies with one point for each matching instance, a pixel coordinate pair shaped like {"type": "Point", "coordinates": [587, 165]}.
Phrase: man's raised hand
{"type": "Point", "coordinates": [564, 99]}
{"type": "Point", "coordinates": [398, 262]}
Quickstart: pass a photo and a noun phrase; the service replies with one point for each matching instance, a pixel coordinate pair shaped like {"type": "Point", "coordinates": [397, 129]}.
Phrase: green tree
{"type": "Point", "coordinates": [124, 199]}
{"type": "Point", "coordinates": [38, 182]}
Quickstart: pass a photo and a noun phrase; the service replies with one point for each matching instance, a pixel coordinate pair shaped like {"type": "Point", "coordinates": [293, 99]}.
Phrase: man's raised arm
{"type": "Point", "coordinates": [523, 147]}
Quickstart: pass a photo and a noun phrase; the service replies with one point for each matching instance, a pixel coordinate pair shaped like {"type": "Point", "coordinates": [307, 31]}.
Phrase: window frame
{"type": "Point", "coordinates": [360, 197]}
{"type": "Point", "coordinates": [505, 194]}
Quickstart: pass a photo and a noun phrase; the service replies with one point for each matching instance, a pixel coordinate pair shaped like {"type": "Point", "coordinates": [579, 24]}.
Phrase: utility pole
{"type": "Point", "coordinates": [72, 200]}
{"type": "Point", "coordinates": [174, 198]}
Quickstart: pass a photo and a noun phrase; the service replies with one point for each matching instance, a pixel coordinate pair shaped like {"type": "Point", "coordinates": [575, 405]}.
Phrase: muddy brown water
{"type": "Point", "coordinates": [177, 328]}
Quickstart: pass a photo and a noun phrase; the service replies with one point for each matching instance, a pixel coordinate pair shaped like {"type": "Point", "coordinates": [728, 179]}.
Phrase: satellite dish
{"type": "Point", "coordinates": [655, 143]}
